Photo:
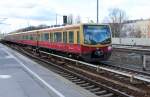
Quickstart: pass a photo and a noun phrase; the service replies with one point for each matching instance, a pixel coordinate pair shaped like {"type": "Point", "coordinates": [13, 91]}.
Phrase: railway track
{"type": "Point", "coordinates": [133, 49]}
{"type": "Point", "coordinates": [131, 46]}
{"type": "Point", "coordinates": [139, 55]}
{"type": "Point", "coordinates": [118, 67]}
{"type": "Point", "coordinates": [90, 80]}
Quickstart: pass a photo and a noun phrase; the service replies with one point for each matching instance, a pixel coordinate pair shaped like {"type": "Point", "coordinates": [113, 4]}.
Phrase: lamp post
{"type": "Point", "coordinates": [97, 11]}
{"type": "Point", "coordinates": [56, 18]}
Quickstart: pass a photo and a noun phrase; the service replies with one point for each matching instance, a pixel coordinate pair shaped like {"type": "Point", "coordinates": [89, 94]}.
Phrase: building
{"type": "Point", "coordinates": [144, 26]}
{"type": "Point", "coordinates": [137, 28]}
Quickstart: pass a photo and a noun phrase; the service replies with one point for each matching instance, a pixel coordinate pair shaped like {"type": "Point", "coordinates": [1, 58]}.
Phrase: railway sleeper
{"type": "Point", "coordinates": [84, 84]}
{"type": "Point", "coordinates": [66, 75]}
{"type": "Point", "coordinates": [76, 80]}
{"type": "Point", "coordinates": [70, 76]}
{"type": "Point", "coordinates": [100, 92]}
{"type": "Point", "coordinates": [108, 95]}
{"type": "Point", "coordinates": [73, 78]}
{"type": "Point", "coordinates": [80, 82]}
{"type": "Point", "coordinates": [59, 72]}
{"type": "Point", "coordinates": [89, 87]}
{"type": "Point", "coordinates": [94, 89]}
{"type": "Point", "coordinates": [62, 73]}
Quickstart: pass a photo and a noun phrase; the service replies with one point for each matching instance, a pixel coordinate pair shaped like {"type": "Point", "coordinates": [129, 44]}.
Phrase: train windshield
{"type": "Point", "coordinates": [97, 34]}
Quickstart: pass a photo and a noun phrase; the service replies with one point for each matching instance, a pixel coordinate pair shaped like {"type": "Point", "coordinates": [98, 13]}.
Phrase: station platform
{"type": "Point", "coordinates": [22, 77]}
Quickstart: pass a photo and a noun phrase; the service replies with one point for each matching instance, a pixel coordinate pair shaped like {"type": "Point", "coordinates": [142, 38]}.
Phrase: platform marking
{"type": "Point", "coordinates": [5, 76]}
{"type": "Point", "coordinates": [36, 75]}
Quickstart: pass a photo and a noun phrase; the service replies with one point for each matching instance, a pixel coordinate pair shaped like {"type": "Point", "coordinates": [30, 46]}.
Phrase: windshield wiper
{"type": "Point", "coordinates": [105, 41]}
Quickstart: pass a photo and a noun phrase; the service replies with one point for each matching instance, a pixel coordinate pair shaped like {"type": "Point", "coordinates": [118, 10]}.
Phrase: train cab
{"type": "Point", "coordinates": [96, 45]}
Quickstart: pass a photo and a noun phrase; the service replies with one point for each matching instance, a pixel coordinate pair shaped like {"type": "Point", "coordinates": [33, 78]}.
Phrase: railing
{"type": "Point", "coordinates": [98, 67]}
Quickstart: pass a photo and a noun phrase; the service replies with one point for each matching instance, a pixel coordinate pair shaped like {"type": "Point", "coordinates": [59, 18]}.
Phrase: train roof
{"type": "Point", "coordinates": [53, 28]}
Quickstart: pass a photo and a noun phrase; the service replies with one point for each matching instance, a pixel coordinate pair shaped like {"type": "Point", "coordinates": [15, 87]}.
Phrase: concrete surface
{"type": "Point", "coordinates": [22, 77]}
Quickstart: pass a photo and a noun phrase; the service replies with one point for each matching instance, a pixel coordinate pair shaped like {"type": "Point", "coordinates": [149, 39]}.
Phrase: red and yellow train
{"type": "Point", "coordinates": [92, 42]}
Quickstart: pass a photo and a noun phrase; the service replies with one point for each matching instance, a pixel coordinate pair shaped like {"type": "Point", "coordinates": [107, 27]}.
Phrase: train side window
{"type": "Point", "coordinates": [41, 37]}
{"type": "Point", "coordinates": [28, 37]}
{"type": "Point", "coordinates": [57, 37]}
{"type": "Point", "coordinates": [34, 37]}
{"type": "Point", "coordinates": [45, 37]}
{"type": "Point", "coordinates": [20, 37]}
{"type": "Point", "coordinates": [17, 37]}
{"type": "Point", "coordinates": [23, 37]}
{"type": "Point", "coordinates": [71, 37]}
{"type": "Point", "coordinates": [51, 37]}
{"type": "Point", "coordinates": [31, 37]}
{"type": "Point", "coordinates": [55, 40]}
{"type": "Point", "coordinates": [78, 37]}
{"type": "Point", "coordinates": [64, 37]}
{"type": "Point", "coordinates": [38, 36]}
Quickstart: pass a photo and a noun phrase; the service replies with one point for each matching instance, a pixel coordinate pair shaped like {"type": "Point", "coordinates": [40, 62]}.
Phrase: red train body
{"type": "Point", "coordinates": [90, 42]}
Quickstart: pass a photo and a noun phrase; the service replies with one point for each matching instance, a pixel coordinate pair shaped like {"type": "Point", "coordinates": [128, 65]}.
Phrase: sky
{"type": "Point", "coordinates": [15, 14]}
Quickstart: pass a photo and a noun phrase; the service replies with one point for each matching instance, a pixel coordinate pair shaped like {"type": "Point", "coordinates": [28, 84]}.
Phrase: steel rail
{"type": "Point", "coordinates": [109, 64]}
{"type": "Point", "coordinates": [133, 50]}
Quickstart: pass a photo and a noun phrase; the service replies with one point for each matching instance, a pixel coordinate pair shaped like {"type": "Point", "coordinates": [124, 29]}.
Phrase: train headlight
{"type": "Point", "coordinates": [97, 48]}
{"type": "Point", "coordinates": [109, 48]}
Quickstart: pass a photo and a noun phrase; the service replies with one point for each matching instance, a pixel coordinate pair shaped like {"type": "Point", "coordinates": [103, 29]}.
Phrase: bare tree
{"type": "Point", "coordinates": [134, 31]}
{"type": "Point", "coordinates": [78, 20]}
{"type": "Point", "coordinates": [91, 21]}
{"type": "Point", "coordinates": [148, 29]}
{"type": "Point", "coordinates": [70, 19]}
{"type": "Point", "coordinates": [138, 33]}
{"type": "Point", "coordinates": [127, 30]}
{"type": "Point", "coordinates": [117, 18]}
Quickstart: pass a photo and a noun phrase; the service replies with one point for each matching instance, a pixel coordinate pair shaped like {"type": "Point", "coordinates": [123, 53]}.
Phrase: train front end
{"type": "Point", "coordinates": [96, 42]}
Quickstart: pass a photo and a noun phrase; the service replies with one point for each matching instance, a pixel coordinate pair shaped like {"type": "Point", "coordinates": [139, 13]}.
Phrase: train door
{"type": "Point", "coordinates": [78, 37]}
{"type": "Point", "coordinates": [77, 41]}
{"type": "Point", "coordinates": [37, 39]}
{"type": "Point", "coordinates": [51, 40]}
{"type": "Point", "coordinates": [71, 41]}
{"type": "Point", "coordinates": [65, 40]}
